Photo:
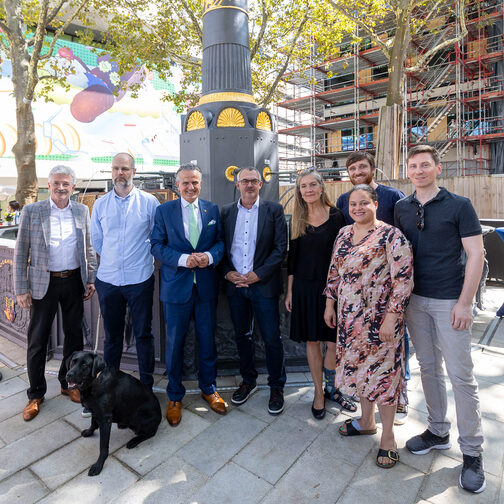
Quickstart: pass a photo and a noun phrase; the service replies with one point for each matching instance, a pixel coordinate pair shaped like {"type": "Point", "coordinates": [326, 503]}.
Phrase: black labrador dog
{"type": "Point", "coordinates": [112, 396]}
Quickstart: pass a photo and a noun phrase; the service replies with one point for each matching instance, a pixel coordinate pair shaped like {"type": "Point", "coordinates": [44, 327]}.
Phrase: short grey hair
{"type": "Point", "coordinates": [126, 154]}
{"type": "Point", "coordinates": [64, 170]}
{"type": "Point", "coordinates": [188, 167]}
{"type": "Point", "coordinates": [248, 168]}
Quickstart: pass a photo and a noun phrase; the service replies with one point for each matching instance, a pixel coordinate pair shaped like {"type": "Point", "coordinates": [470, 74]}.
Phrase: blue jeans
{"type": "Point", "coordinates": [407, 373]}
{"type": "Point", "coordinates": [113, 300]}
{"type": "Point", "coordinates": [247, 304]}
{"type": "Point", "coordinates": [177, 317]}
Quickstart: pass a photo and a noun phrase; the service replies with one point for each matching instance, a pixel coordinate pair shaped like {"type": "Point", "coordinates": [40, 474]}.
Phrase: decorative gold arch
{"type": "Point", "coordinates": [196, 121]}
{"type": "Point", "coordinates": [230, 118]}
{"type": "Point", "coordinates": [263, 121]}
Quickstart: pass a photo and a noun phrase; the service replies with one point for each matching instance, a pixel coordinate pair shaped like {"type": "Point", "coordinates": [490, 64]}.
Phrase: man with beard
{"type": "Point", "coordinates": [121, 225]}
{"type": "Point", "coordinates": [361, 169]}
{"type": "Point", "coordinates": [54, 264]}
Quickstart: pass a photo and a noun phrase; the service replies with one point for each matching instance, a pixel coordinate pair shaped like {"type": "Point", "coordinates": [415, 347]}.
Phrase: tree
{"type": "Point", "coordinates": [160, 34]}
{"type": "Point", "coordinates": [411, 19]}
{"type": "Point", "coordinates": [25, 26]}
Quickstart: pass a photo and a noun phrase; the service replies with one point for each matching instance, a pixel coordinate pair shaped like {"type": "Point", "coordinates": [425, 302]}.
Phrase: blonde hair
{"type": "Point", "coordinates": [299, 221]}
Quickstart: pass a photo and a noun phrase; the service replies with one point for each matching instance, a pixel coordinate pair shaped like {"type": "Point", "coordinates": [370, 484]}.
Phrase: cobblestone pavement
{"type": "Point", "coordinates": [246, 456]}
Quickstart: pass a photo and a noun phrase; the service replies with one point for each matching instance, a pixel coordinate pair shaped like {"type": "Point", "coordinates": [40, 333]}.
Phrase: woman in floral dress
{"type": "Point", "coordinates": [371, 276]}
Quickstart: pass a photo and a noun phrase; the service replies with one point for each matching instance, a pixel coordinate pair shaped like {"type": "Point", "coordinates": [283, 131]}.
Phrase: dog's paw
{"type": "Point", "coordinates": [87, 432]}
{"type": "Point", "coordinates": [95, 469]}
{"type": "Point", "coordinates": [132, 443]}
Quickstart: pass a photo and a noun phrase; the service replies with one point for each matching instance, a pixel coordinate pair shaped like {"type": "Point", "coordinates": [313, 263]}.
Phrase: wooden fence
{"type": "Point", "coordinates": [486, 192]}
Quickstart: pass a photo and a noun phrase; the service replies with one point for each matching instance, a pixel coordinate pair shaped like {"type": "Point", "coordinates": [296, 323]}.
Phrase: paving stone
{"type": "Point", "coordinates": [113, 480]}
{"type": "Point", "coordinates": [13, 405]}
{"type": "Point", "coordinates": [371, 483]}
{"type": "Point", "coordinates": [2, 444]}
{"type": "Point", "coordinates": [8, 372]}
{"type": "Point", "coordinates": [489, 367]}
{"type": "Point", "coordinates": [55, 469]}
{"type": "Point", "coordinates": [227, 381]}
{"type": "Point", "coordinates": [302, 407]}
{"type": "Point", "coordinates": [491, 399]}
{"type": "Point", "coordinates": [310, 480]}
{"type": "Point", "coordinates": [153, 452]}
{"type": "Point", "coordinates": [195, 404]}
{"type": "Point", "coordinates": [15, 427]}
{"type": "Point", "coordinates": [22, 487]}
{"type": "Point", "coordinates": [442, 485]}
{"type": "Point", "coordinates": [213, 447]}
{"type": "Point", "coordinates": [298, 378]}
{"type": "Point", "coordinates": [40, 443]}
{"type": "Point", "coordinates": [11, 386]}
{"type": "Point", "coordinates": [273, 452]}
{"type": "Point", "coordinates": [232, 485]}
{"type": "Point", "coordinates": [172, 482]}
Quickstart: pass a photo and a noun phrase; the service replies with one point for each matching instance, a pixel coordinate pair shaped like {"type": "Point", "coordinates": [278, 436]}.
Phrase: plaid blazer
{"type": "Point", "coordinates": [31, 255]}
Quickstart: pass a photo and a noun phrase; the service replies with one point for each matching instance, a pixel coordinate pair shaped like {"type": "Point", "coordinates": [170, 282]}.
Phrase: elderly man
{"type": "Point", "coordinates": [121, 225]}
{"type": "Point", "coordinates": [440, 225]}
{"type": "Point", "coordinates": [54, 264]}
{"type": "Point", "coordinates": [255, 235]}
{"type": "Point", "coordinates": [187, 239]}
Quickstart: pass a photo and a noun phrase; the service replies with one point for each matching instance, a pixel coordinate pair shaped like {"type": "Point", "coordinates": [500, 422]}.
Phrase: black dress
{"type": "Point", "coordinates": [308, 260]}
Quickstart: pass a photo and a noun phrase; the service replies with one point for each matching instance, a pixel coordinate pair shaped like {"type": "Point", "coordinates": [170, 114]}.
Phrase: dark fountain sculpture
{"type": "Point", "coordinates": [225, 131]}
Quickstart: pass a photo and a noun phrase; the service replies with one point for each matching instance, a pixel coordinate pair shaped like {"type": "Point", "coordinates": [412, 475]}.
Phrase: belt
{"type": "Point", "coordinates": [64, 274]}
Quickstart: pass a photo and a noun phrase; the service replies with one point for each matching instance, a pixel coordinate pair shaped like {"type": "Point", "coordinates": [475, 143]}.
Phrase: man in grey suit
{"type": "Point", "coordinates": [54, 263]}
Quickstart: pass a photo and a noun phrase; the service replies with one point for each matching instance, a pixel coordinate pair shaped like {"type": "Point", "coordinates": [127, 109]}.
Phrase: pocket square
{"type": "Point", "coordinates": [211, 223]}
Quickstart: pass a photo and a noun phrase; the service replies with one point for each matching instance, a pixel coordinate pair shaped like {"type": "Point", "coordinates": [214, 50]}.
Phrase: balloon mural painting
{"type": "Point", "coordinates": [102, 82]}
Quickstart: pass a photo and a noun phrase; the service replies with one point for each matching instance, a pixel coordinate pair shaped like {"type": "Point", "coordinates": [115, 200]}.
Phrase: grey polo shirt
{"type": "Point", "coordinates": [438, 267]}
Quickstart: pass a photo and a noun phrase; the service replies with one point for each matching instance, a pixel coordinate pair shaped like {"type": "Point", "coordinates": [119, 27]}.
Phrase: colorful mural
{"type": "Point", "coordinates": [86, 125]}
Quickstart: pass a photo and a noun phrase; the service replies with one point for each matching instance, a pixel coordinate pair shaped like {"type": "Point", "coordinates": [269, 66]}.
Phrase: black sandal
{"type": "Point", "coordinates": [338, 397]}
{"type": "Point", "coordinates": [391, 454]}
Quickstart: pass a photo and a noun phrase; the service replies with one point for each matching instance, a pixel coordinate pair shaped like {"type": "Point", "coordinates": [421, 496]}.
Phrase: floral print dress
{"type": "Point", "coordinates": [368, 279]}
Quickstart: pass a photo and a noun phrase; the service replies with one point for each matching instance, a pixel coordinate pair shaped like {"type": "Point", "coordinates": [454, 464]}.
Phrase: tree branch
{"type": "Point", "coordinates": [194, 20]}
{"type": "Point", "coordinates": [61, 30]}
{"type": "Point", "coordinates": [273, 87]}
{"type": "Point", "coordinates": [428, 55]}
{"type": "Point", "coordinates": [264, 17]}
{"type": "Point", "coordinates": [48, 77]}
{"type": "Point", "coordinates": [5, 29]}
{"type": "Point", "coordinates": [55, 10]}
{"type": "Point", "coordinates": [374, 36]}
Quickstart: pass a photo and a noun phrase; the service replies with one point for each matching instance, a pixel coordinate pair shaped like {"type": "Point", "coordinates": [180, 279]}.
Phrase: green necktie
{"type": "Point", "coordinates": [194, 231]}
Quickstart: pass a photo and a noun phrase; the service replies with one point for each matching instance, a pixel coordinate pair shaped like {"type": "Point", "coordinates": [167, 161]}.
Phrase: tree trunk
{"type": "Point", "coordinates": [389, 131]}
{"type": "Point", "coordinates": [24, 148]}
{"type": "Point", "coordinates": [24, 152]}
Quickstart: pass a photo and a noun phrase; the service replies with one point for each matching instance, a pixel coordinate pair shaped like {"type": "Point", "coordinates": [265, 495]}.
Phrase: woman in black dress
{"type": "Point", "coordinates": [315, 225]}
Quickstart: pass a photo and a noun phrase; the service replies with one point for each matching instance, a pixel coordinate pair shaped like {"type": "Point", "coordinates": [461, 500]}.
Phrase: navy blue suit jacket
{"type": "Point", "coordinates": [271, 246]}
{"type": "Point", "coordinates": [168, 243]}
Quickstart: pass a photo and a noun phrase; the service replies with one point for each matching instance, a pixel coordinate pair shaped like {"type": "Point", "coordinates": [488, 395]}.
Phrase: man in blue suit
{"type": "Point", "coordinates": [255, 234]}
{"type": "Point", "coordinates": [187, 239]}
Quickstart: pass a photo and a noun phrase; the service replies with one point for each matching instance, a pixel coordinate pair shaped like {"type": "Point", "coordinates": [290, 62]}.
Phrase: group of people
{"type": "Point", "coordinates": [357, 272]}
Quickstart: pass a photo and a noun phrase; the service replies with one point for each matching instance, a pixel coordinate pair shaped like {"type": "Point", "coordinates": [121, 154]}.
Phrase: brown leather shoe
{"type": "Point", "coordinates": [74, 394]}
{"type": "Point", "coordinates": [216, 403]}
{"type": "Point", "coordinates": [174, 413]}
{"type": "Point", "coordinates": [31, 409]}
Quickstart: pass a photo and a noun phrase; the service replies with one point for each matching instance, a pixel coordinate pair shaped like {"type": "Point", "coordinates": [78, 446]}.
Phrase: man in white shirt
{"type": "Point", "coordinates": [54, 263]}
{"type": "Point", "coordinates": [121, 225]}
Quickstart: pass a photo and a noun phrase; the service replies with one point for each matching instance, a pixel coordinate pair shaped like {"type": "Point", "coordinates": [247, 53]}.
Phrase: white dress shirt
{"type": "Point", "coordinates": [63, 251]}
{"type": "Point", "coordinates": [245, 237]}
{"type": "Point", "coordinates": [186, 216]}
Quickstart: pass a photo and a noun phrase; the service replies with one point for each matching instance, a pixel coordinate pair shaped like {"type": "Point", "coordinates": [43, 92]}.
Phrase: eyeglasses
{"type": "Point", "coordinates": [421, 218]}
{"type": "Point", "coordinates": [253, 182]}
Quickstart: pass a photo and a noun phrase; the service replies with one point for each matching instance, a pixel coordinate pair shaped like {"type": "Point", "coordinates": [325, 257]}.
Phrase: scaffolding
{"type": "Point", "coordinates": [456, 103]}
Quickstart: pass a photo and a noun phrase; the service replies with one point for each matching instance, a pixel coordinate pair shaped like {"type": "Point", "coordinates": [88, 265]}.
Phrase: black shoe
{"type": "Point", "coordinates": [425, 442]}
{"type": "Point", "coordinates": [243, 392]}
{"type": "Point", "coordinates": [318, 414]}
{"type": "Point", "coordinates": [276, 401]}
{"type": "Point", "coordinates": [472, 477]}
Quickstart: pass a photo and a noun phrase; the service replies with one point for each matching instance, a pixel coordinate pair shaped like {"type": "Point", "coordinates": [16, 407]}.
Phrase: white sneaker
{"type": "Point", "coordinates": [86, 413]}
{"type": "Point", "coordinates": [401, 414]}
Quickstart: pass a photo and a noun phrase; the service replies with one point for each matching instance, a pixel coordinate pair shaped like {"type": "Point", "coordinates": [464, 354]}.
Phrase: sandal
{"type": "Point", "coordinates": [351, 430]}
{"type": "Point", "coordinates": [340, 398]}
{"type": "Point", "coordinates": [390, 454]}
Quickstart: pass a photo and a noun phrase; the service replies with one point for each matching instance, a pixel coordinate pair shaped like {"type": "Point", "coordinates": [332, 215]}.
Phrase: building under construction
{"type": "Point", "coordinates": [455, 104]}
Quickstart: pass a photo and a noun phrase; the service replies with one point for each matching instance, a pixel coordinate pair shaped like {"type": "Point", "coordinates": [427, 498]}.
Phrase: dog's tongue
{"type": "Point", "coordinates": [71, 385]}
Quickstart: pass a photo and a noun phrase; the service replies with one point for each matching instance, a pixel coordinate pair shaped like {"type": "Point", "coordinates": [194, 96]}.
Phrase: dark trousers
{"type": "Point", "coordinates": [247, 304]}
{"type": "Point", "coordinates": [113, 300]}
{"type": "Point", "coordinates": [69, 293]}
{"type": "Point", "coordinates": [177, 317]}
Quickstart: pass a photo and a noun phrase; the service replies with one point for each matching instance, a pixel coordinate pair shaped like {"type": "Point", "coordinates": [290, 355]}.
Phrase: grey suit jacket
{"type": "Point", "coordinates": [31, 255]}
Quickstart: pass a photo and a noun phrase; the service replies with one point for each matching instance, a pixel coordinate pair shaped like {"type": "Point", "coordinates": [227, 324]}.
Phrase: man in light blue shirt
{"type": "Point", "coordinates": [121, 225]}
